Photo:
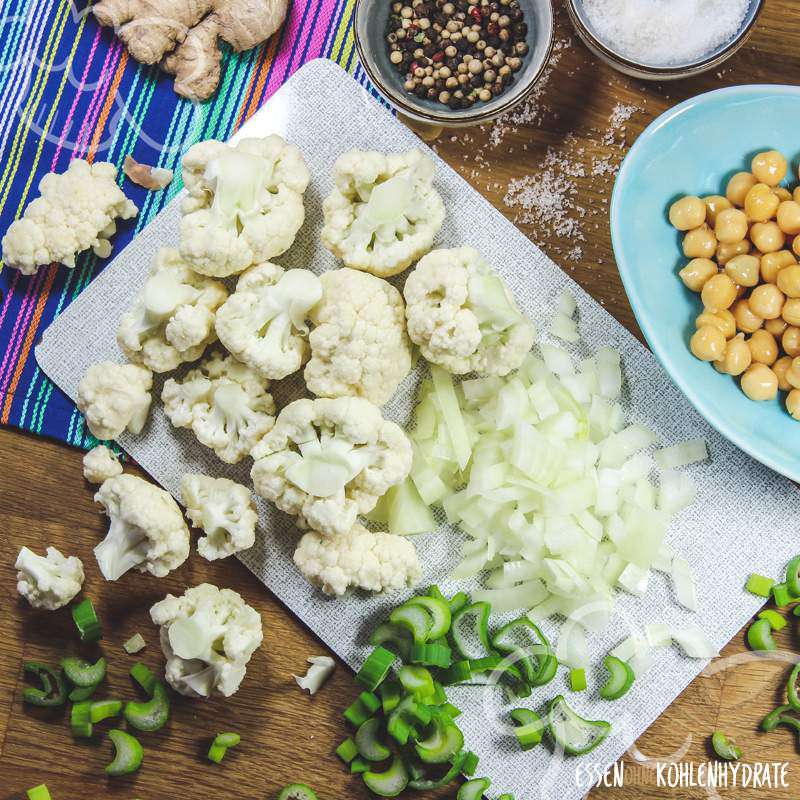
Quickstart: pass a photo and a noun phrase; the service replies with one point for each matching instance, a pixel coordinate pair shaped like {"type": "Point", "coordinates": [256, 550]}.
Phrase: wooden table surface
{"type": "Point", "coordinates": [569, 144]}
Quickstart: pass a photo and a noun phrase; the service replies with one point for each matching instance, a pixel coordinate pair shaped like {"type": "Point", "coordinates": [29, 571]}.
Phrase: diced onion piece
{"type": "Point", "coordinates": [663, 559]}
{"type": "Point", "coordinates": [135, 644]}
{"type": "Point", "coordinates": [609, 372]}
{"type": "Point", "coordinates": [676, 492]}
{"type": "Point", "coordinates": [629, 647]}
{"type": "Point", "coordinates": [566, 303]}
{"type": "Point", "coordinates": [684, 583]}
{"type": "Point", "coordinates": [641, 662]}
{"type": "Point", "coordinates": [524, 595]}
{"type": "Point", "coordinates": [658, 634]}
{"type": "Point", "coordinates": [694, 642]}
{"type": "Point", "coordinates": [451, 413]}
{"type": "Point", "coordinates": [634, 580]}
{"type": "Point", "coordinates": [571, 648]}
{"type": "Point", "coordinates": [679, 455]}
{"type": "Point", "coordinates": [617, 449]}
{"type": "Point", "coordinates": [564, 328]}
{"type": "Point", "coordinates": [557, 360]}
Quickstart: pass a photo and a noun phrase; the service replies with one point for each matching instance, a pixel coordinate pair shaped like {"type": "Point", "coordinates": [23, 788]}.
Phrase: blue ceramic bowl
{"type": "Point", "coordinates": [693, 149]}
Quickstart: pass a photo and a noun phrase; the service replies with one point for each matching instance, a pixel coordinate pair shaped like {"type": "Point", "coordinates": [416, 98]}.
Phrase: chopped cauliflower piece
{"type": "Point", "coordinates": [359, 558]}
{"type": "Point", "coordinates": [76, 210]}
{"type": "Point", "coordinates": [208, 635]}
{"type": "Point", "coordinates": [146, 530]}
{"type": "Point", "coordinates": [224, 510]}
{"type": "Point", "coordinates": [263, 323]}
{"type": "Point", "coordinates": [172, 318]}
{"type": "Point", "coordinates": [244, 203]}
{"type": "Point", "coordinates": [225, 403]}
{"type": "Point", "coordinates": [100, 464]}
{"type": "Point", "coordinates": [50, 581]}
{"type": "Point", "coordinates": [383, 213]}
{"type": "Point", "coordinates": [115, 397]}
{"type": "Point", "coordinates": [321, 669]}
{"type": "Point", "coordinates": [359, 346]}
{"type": "Point", "coordinates": [326, 461]}
{"type": "Point", "coordinates": [463, 316]}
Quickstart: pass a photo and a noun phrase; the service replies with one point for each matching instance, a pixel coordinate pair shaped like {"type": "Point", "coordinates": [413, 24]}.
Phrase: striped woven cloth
{"type": "Point", "coordinates": [69, 90]}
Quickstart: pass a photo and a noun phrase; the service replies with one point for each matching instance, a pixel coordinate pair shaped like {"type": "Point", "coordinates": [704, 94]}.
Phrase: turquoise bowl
{"type": "Point", "coordinates": [694, 148]}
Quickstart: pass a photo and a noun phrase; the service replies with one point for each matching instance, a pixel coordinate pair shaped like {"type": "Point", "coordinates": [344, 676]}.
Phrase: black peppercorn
{"type": "Point", "coordinates": [520, 30]}
{"type": "Point", "coordinates": [421, 91]}
{"type": "Point", "coordinates": [476, 81]}
{"type": "Point", "coordinates": [454, 102]}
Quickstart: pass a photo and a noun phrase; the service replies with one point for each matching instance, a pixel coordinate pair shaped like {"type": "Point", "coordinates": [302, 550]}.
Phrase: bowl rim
{"type": "Point", "coordinates": [663, 72]}
{"type": "Point", "coordinates": [415, 112]}
{"type": "Point", "coordinates": [659, 351]}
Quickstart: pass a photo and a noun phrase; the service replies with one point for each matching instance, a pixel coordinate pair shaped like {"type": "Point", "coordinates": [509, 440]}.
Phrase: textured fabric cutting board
{"type": "Point", "coordinates": [744, 518]}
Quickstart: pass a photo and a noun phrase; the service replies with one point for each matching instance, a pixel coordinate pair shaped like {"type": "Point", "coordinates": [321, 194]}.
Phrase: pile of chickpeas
{"type": "Point", "coordinates": [744, 249]}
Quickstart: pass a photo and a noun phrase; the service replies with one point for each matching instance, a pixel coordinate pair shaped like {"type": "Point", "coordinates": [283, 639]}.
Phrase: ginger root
{"type": "Point", "coordinates": [182, 34]}
{"type": "Point", "coordinates": [152, 178]}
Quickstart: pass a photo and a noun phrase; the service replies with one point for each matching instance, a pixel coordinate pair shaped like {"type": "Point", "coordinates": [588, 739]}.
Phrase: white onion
{"type": "Point", "coordinates": [684, 584]}
{"type": "Point", "coordinates": [679, 455]}
{"type": "Point", "coordinates": [694, 642]}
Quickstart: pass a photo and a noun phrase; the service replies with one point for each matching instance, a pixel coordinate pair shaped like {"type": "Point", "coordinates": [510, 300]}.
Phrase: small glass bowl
{"type": "Point", "coordinates": [371, 17]}
{"type": "Point", "coordinates": [652, 72]}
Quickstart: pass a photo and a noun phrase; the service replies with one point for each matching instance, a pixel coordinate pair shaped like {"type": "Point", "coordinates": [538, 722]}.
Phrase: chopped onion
{"type": "Point", "coordinates": [135, 644]}
{"type": "Point", "coordinates": [564, 328]}
{"type": "Point", "coordinates": [558, 361]}
{"type": "Point", "coordinates": [566, 303]}
{"type": "Point", "coordinates": [641, 662]}
{"type": "Point", "coordinates": [572, 649]}
{"type": "Point", "coordinates": [658, 634]}
{"type": "Point", "coordinates": [677, 491]}
{"type": "Point", "coordinates": [523, 595]}
{"type": "Point", "coordinates": [694, 642]}
{"type": "Point", "coordinates": [629, 647]}
{"type": "Point", "coordinates": [679, 455]}
{"type": "Point", "coordinates": [634, 580]}
{"type": "Point", "coordinates": [684, 584]}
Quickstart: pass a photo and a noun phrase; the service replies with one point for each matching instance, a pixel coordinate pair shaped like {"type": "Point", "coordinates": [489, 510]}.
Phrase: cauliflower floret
{"type": "Point", "coordinates": [263, 323]}
{"type": "Point", "coordinates": [115, 397]}
{"type": "Point", "coordinates": [244, 203]}
{"type": "Point", "coordinates": [172, 319]}
{"type": "Point", "coordinates": [225, 403]}
{"type": "Point", "coordinates": [208, 635]}
{"type": "Point", "coordinates": [360, 558]}
{"type": "Point", "coordinates": [146, 530]}
{"type": "Point", "coordinates": [321, 669]}
{"type": "Point", "coordinates": [383, 213]}
{"type": "Point", "coordinates": [326, 461]}
{"type": "Point", "coordinates": [49, 581]}
{"type": "Point", "coordinates": [359, 346]}
{"type": "Point", "coordinates": [224, 510]}
{"type": "Point", "coordinates": [462, 315]}
{"type": "Point", "coordinates": [76, 210]}
{"type": "Point", "coordinates": [100, 464]}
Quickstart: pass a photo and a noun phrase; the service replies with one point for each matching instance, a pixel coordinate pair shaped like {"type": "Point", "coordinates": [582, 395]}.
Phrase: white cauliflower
{"type": "Point", "coordinates": [359, 346]}
{"type": "Point", "coordinates": [208, 635]}
{"type": "Point", "coordinates": [244, 203]}
{"type": "Point", "coordinates": [76, 210]}
{"type": "Point", "coordinates": [172, 318]}
{"type": "Point", "coordinates": [263, 323]}
{"type": "Point", "coordinates": [326, 461]}
{"type": "Point", "coordinates": [321, 669]}
{"type": "Point", "coordinates": [224, 510]}
{"type": "Point", "coordinates": [115, 397]}
{"type": "Point", "coordinates": [50, 581]}
{"type": "Point", "coordinates": [225, 403]}
{"type": "Point", "coordinates": [359, 558]}
{"type": "Point", "coordinates": [462, 315]}
{"type": "Point", "coordinates": [100, 464]}
{"type": "Point", "coordinates": [146, 530]}
{"type": "Point", "coordinates": [383, 213]}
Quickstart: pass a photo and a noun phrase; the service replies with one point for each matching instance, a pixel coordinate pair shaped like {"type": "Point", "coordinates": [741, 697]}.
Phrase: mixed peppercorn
{"type": "Point", "coordinates": [457, 53]}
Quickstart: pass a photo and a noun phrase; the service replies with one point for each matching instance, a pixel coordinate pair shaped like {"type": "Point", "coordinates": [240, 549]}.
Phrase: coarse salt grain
{"type": "Point", "coordinates": [665, 32]}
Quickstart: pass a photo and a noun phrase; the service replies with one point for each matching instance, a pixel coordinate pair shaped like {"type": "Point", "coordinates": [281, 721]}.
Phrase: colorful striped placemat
{"type": "Point", "coordinates": [68, 89]}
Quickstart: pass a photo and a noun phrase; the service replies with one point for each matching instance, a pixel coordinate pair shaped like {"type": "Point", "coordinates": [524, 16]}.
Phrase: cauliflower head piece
{"type": "Point", "coordinates": [76, 210]}
{"type": "Point", "coordinates": [359, 346]}
{"type": "Point", "coordinates": [361, 559]}
{"type": "Point", "coordinates": [326, 461]}
{"type": "Point", "coordinates": [244, 203]}
{"type": "Point", "coordinates": [383, 213]}
{"type": "Point", "coordinates": [100, 464]}
{"type": "Point", "coordinates": [172, 318]}
{"type": "Point", "coordinates": [48, 581]}
{"type": "Point", "coordinates": [463, 316]}
{"type": "Point", "coordinates": [208, 636]}
{"type": "Point", "coordinates": [225, 403]}
{"type": "Point", "coordinates": [224, 510]}
{"type": "Point", "coordinates": [263, 323]}
{"type": "Point", "coordinates": [146, 530]}
{"type": "Point", "coordinates": [114, 398]}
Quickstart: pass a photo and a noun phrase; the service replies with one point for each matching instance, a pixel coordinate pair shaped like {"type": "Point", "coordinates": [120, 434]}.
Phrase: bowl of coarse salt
{"type": "Point", "coordinates": [664, 39]}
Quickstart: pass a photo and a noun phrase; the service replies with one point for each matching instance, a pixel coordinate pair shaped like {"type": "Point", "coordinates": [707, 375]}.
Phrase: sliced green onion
{"type": "Point", "coordinates": [376, 668]}
{"type": "Point", "coordinates": [82, 673]}
{"type": "Point", "coordinates": [152, 714]}
{"type": "Point", "coordinates": [135, 644]}
{"type": "Point", "coordinates": [774, 718]}
{"type": "Point", "coordinates": [522, 638]}
{"type": "Point", "coordinates": [439, 696]}
{"type": "Point", "coordinates": [759, 636]}
{"type": "Point", "coordinates": [415, 619]}
{"type": "Point", "coordinates": [39, 792]}
{"type": "Point", "coordinates": [439, 610]}
{"type": "Point", "coordinates": [128, 753]}
{"type": "Point", "coordinates": [401, 722]}
{"type": "Point", "coordinates": [458, 601]}
{"type": "Point", "coordinates": [577, 680]}
{"type": "Point", "coordinates": [80, 693]}
{"type": "Point", "coordinates": [104, 709]}
{"type": "Point", "coordinates": [79, 719]}
{"type": "Point", "coordinates": [452, 711]}
{"type": "Point", "coordinates": [86, 621]}
{"type": "Point", "coordinates": [417, 681]}
{"type": "Point", "coordinates": [358, 766]}
{"type": "Point", "coordinates": [347, 750]}
{"type": "Point", "coordinates": [144, 677]}
{"type": "Point", "coordinates": [793, 577]}
{"type": "Point", "coordinates": [529, 727]}
{"type": "Point", "coordinates": [53, 689]}
{"type": "Point", "coordinates": [473, 789]}
{"type": "Point", "coordinates": [759, 585]}
{"type": "Point", "coordinates": [548, 665]}
{"type": "Point", "coordinates": [576, 735]}
{"type": "Point", "coordinates": [399, 728]}
{"type": "Point", "coordinates": [389, 783]}
{"type": "Point", "coordinates": [724, 747]}
{"type": "Point", "coordinates": [221, 744]}
{"type": "Point", "coordinates": [506, 796]}
{"type": "Point", "coordinates": [781, 595]}
{"type": "Point", "coordinates": [791, 688]}
{"type": "Point", "coordinates": [296, 791]}
{"type": "Point", "coordinates": [620, 678]}
{"type": "Point", "coordinates": [457, 673]}
{"type": "Point", "coordinates": [391, 695]}
{"type": "Point", "coordinates": [368, 742]}
{"type": "Point", "coordinates": [470, 630]}
{"type": "Point", "coordinates": [435, 591]}
{"type": "Point", "coordinates": [427, 784]}
{"type": "Point", "coordinates": [392, 637]}
{"type": "Point", "coordinates": [362, 709]}
{"type": "Point", "coordinates": [776, 621]}
{"type": "Point", "coordinates": [443, 743]}
{"type": "Point", "coordinates": [470, 764]}
{"type": "Point", "coordinates": [431, 654]}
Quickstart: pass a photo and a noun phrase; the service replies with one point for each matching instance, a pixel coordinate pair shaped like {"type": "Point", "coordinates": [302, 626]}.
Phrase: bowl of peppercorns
{"type": "Point", "coordinates": [453, 62]}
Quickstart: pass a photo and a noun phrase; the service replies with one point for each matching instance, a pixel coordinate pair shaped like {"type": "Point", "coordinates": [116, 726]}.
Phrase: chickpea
{"type": "Point", "coordinates": [776, 326]}
{"type": "Point", "coordinates": [773, 263]}
{"type": "Point", "coordinates": [782, 193]}
{"type": "Point", "coordinates": [708, 343]}
{"type": "Point", "coordinates": [697, 272]}
{"type": "Point", "coordinates": [731, 226]}
{"type": "Point", "coordinates": [789, 280]}
{"type": "Point", "coordinates": [737, 357]}
{"type": "Point", "coordinates": [700, 242]}
{"type": "Point", "coordinates": [769, 167]}
{"type": "Point", "coordinates": [790, 341]}
{"type": "Point", "coordinates": [687, 213]}
{"type": "Point", "coordinates": [763, 347]}
{"type": "Point", "coordinates": [793, 403]}
{"type": "Point", "coordinates": [791, 311]}
{"type": "Point", "coordinates": [796, 194]}
{"type": "Point", "coordinates": [779, 368]}
{"type": "Point", "coordinates": [725, 252]}
{"type": "Point", "coordinates": [746, 320]}
{"type": "Point", "coordinates": [796, 246]}
{"type": "Point", "coordinates": [767, 236]}
{"type": "Point", "coordinates": [744, 270]}
{"type": "Point", "coordinates": [760, 203]}
{"type": "Point", "coordinates": [789, 217]}
{"type": "Point", "coordinates": [738, 187]}
{"type": "Point", "coordinates": [718, 292]}
{"type": "Point", "coordinates": [759, 382]}
{"type": "Point", "coordinates": [714, 204]}
{"type": "Point", "coordinates": [767, 301]}
{"type": "Point", "coordinates": [793, 373]}
{"type": "Point", "coordinates": [718, 319]}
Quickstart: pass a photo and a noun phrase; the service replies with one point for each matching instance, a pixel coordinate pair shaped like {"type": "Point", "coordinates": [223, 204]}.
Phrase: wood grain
{"type": "Point", "coordinates": [287, 736]}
